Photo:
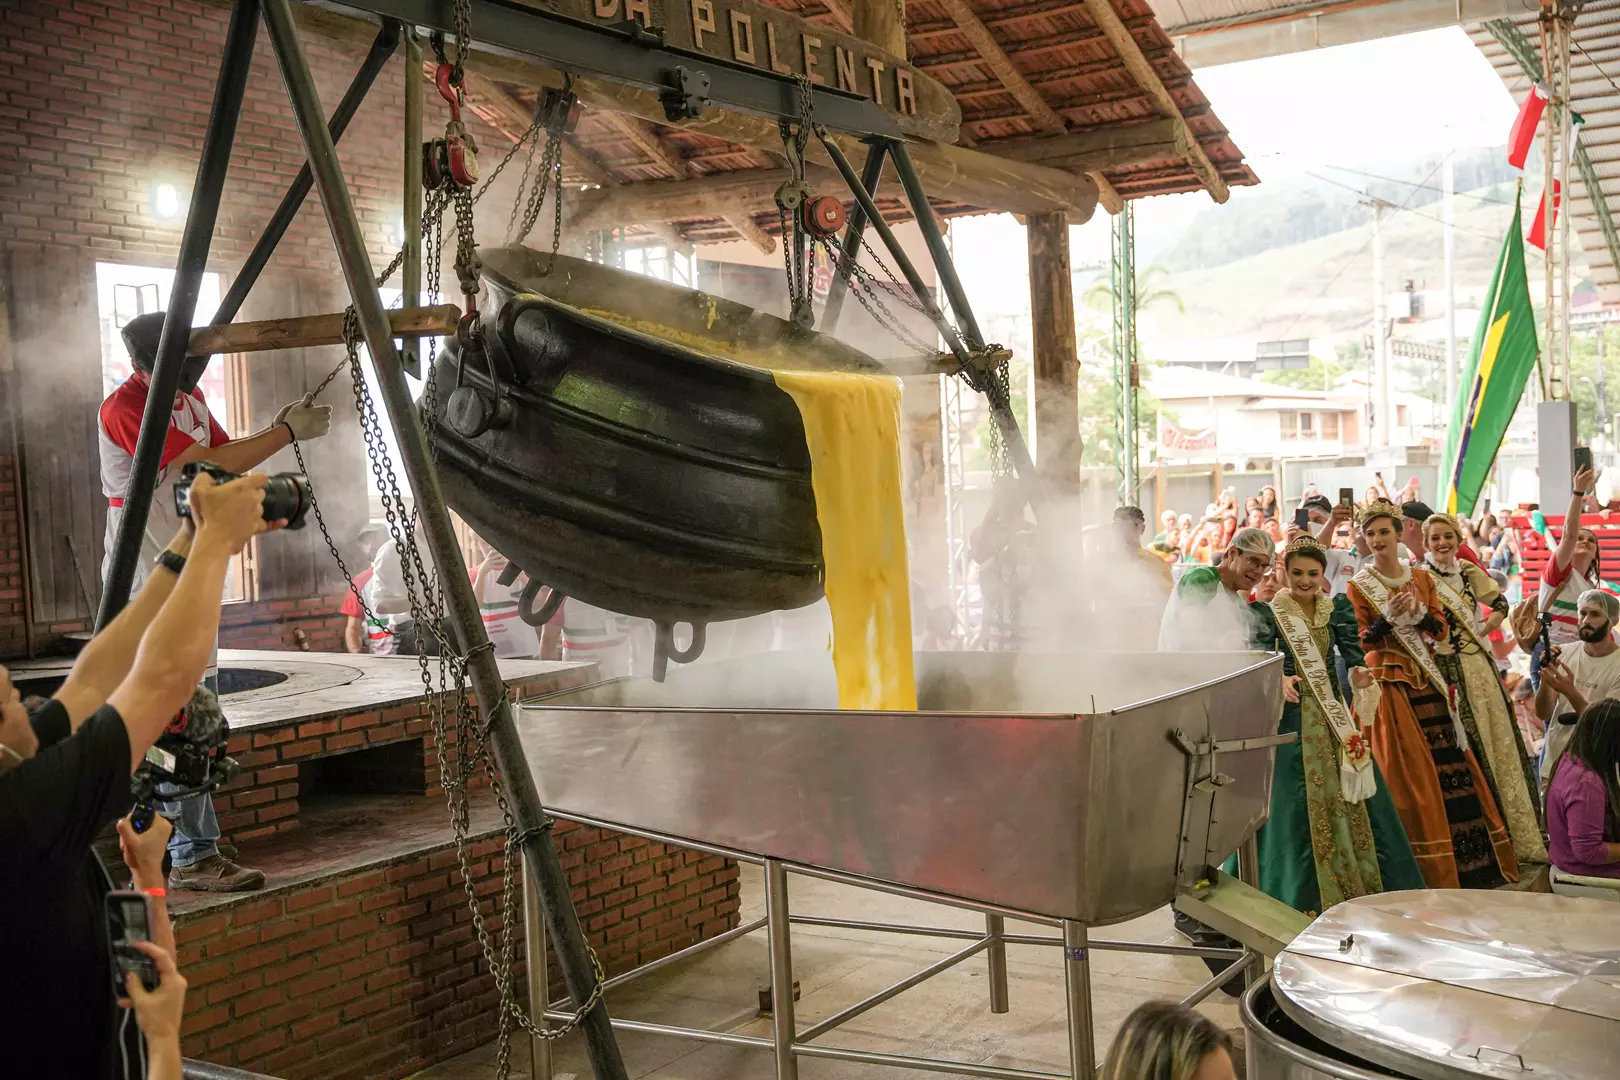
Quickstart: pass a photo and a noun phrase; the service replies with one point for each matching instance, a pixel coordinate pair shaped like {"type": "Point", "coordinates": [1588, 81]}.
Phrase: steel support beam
{"type": "Point", "coordinates": [411, 151]}
{"type": "Point", "coordinates": [1513, 40]}
{"type": "Point", "coordinates": [854, 234]}
{"type": "Point", "coordinates": [377, 57]}
{"type": "Point", "coordinates": [928, 224]}
{"type": "Point", "coordinates": [234, 67]}
{"type": "Point", "coordinates": [591, 51]}
{"type": "Point", "coordinates": [1310, 26]}
{"type": "Point", "coordinates": [530, 822]}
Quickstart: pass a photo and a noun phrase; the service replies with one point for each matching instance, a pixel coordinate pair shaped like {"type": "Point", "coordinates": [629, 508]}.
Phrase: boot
{"type": "Point", "coordinates": [216, 874]}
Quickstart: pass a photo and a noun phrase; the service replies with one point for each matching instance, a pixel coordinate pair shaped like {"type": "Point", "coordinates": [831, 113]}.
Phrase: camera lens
{"type": "Point", "coordinates": [286, 497]}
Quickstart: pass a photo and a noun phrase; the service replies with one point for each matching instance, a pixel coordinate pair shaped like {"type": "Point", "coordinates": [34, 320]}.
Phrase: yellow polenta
{"type": "Point", "coordinates": [852, 428]}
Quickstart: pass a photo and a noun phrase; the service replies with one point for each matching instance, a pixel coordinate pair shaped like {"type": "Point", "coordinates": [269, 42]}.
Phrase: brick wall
{"type": "Point", "coordinates": [262, 799]}
{"type": "Point", "coordinates": [308, 625]}
{"type": "Point", "coordinates": [377, 972]}
{"type": "Point", "coordinates": [103, 100]}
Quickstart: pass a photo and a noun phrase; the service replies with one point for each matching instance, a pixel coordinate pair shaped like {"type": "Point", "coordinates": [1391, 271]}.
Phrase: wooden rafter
{"type": "Point", "coordinates": [1130, 54]}
{"type": "Point", "coordinates": [1107, 197]}
{"type": "Point", "coordinates": [641, 133]}
{"type": "Point", "coordinates": [1001, 65]}
{"type": "Point", "coordinates": [840, 12]}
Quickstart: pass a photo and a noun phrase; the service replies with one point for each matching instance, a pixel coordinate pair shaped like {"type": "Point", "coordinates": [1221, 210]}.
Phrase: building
{"type": "Point", "coordinates": [1245, 423]}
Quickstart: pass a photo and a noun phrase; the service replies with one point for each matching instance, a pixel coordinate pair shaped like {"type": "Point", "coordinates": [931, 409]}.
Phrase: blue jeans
{"type": "Point", "coordinates": [196, 830]}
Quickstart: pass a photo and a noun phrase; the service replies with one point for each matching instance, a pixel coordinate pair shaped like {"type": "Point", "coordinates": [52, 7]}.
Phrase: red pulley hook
{"type": "Point", "coordinates": [823, 216]}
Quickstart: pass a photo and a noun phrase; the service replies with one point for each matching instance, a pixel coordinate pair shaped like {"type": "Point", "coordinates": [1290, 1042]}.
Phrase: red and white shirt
{"type": "Point", "coordinates": [1560, 597]}
{"type": "Point", "coordinates": [190, 424]}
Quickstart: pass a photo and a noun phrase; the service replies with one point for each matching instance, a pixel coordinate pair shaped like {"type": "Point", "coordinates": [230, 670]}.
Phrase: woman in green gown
{"type": "Point", "coordinates": [1334, 833]}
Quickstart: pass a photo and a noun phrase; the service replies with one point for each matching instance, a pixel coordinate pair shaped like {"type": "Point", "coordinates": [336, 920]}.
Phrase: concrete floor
{"type": "Point", "coordinates": [946, 1017]}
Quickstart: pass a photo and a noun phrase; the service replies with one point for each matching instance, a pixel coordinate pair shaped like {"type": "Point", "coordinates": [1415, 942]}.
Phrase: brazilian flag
{"type": "Point", "coordinates": [1500, 359]}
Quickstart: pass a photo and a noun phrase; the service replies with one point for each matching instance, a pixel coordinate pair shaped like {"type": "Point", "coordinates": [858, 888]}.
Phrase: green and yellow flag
{"type": "Point", "coordinates": [1500, 359]}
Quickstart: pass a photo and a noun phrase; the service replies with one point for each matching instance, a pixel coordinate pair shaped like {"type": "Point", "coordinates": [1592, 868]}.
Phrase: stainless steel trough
{"type": "Point", "coordinates": [1068, 790]}
{"type": "Point", "coordinates": [1074, 787]}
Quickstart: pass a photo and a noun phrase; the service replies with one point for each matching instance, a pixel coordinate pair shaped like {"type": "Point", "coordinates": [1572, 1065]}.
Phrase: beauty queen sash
{"type": "Point", "coordinates": [1373, 589]}
{"type": "Point", "coordinates": [1459, 605]}
{"type": "Point", "coordinates": [1357, 782]}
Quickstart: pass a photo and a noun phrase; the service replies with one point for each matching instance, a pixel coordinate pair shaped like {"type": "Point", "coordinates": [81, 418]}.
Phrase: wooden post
{"type": "Point", "coordinates": [1057, 363]}
{"type": "Point", "coordinates": [883, 23]}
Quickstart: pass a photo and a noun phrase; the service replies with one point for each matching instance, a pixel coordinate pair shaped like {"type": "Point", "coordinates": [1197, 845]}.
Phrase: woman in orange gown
{"type": "Point", "coordinates": [1453, 823]}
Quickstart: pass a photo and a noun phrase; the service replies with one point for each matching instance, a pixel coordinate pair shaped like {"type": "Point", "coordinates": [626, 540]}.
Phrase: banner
{"type": "Point", "coordinates": [1500, 359]}
{"type": "Point", "coordinates": [1181, 441]}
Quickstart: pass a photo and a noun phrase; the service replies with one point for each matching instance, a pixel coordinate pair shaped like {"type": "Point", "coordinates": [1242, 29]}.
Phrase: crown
{"type": "Point", "coordinates": [1376, 509]}
{"type": "Point", "coordinates": [1304, 543]}
{"type": "Point", "coordinates": [1444, 519]}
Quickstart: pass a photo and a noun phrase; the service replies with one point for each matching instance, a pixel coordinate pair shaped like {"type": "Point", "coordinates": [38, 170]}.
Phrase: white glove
{"type": "Point", "coordinates": [304, 420]}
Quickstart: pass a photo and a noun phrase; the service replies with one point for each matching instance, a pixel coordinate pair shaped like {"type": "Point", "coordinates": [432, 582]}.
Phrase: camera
{"type": "Point", "coordinates": [190, 755]}
{"type": "Point", "coordinates": [286, 497]}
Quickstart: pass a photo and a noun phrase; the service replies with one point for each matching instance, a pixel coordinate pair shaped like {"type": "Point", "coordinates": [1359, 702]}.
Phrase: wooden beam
{"type": "Point", "coordinates": [1130, 53]}
{"type": "Point", "coordinates": [511, 118]}
{"type": "Point", "coordinates": [674, 200]}
{"type": "Point", "coordinates": [652, 144]}
{"type": "Point", "coordinates": [881, 22]}
{"type": "Point", "coordinates": [1107, 198]}
{"type": "Point", "coordinates": [1057, 363]}
{"type": "Point", "coordinates": [304, 331]}
{"type": "Point", "coordinates": [749, 229]}
{"type": "Point", "coordinates": [950, 173]}
{"type": "Point", "coordinates": [1001, 65]}
{"type": "Point", "coordinates": [841, 14]}
{"type": "Point", "coordinates": [1104, 148]}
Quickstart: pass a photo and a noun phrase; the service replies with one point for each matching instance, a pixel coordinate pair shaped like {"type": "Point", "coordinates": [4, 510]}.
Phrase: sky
{"type": "Point", "coordinates": [1353, 106]}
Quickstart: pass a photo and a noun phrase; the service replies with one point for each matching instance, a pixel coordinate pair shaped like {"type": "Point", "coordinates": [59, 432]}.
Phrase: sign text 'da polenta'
{"type": "Point", "coordinates": [753, 33]}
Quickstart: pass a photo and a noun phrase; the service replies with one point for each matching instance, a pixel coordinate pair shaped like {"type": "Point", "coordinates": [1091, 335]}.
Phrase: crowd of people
{"type": "Point", "coordinates": [1447, 737]}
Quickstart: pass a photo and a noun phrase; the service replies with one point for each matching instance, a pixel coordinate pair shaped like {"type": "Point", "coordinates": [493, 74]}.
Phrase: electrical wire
{"type": "Point", "coordinates": [1337, 274]}
{"type": "Point", "coordinates": [1402, 208]}
{"type": "Point", "coordinates": [1413, 184]}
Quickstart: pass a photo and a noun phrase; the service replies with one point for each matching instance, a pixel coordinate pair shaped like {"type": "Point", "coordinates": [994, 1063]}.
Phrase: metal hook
{"type": "Point", "coordinates": [526, 608]}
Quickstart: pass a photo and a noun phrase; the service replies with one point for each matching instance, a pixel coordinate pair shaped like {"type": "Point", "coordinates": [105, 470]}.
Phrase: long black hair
{"type": "Point", "coordinates": [1596, 742]}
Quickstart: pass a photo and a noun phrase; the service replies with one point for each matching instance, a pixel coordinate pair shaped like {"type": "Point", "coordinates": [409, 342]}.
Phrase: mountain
{"type": "Point", "coordinates": [1297, 210]}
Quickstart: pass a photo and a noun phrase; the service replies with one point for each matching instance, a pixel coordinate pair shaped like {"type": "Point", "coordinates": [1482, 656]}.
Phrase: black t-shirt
{"type": "Point", "coordinates": [62, 1017]}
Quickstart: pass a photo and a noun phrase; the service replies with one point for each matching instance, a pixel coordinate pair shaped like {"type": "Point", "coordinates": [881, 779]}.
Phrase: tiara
{"type": "Point", "coordinates": [1304, 543]}
{"type": "Point", "coordinates": [1445, 519]}
{"type": "Point", "coordinates": [1376, 509]}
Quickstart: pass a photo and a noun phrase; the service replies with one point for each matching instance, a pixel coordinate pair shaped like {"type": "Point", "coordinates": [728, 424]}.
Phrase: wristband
{"type": "Point", "coordinates": [171, 560]}
{"type": "Point", "coordinates": [157, 893]}
{"type": "Point", "coordinates": [292, 436]}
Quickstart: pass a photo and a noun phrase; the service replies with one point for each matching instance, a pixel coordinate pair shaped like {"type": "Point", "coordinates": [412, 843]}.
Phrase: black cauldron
{"type": "Point", "coordinates": [631, 471]}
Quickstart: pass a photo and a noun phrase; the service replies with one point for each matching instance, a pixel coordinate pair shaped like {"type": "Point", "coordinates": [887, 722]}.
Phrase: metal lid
{"type": "Point", "coordinates": [1442, 985]}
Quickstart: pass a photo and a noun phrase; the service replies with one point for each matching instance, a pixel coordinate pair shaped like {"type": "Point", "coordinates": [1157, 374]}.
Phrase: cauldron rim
{"type": "Point", "coordinates": [815, 351]}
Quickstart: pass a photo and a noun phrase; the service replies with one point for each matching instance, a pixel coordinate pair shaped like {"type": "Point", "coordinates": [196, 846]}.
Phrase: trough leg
{"type": "Point", "coordinates": [1077, 985]}
{"type": "Point", "coordinates": [995, 928]}
{"type": "Point", "coordinates": [780, 931]}
{"type": "Point", "coordinates": [1249, 874]}
{"type": "Point", "coordinates": [534, 946]}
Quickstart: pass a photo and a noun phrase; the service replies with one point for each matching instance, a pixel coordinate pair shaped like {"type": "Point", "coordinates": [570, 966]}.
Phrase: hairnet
{"type": "Point", "coordinates": [1605, 600]}
{"type": "Point", "coordinates": [1253, 542]}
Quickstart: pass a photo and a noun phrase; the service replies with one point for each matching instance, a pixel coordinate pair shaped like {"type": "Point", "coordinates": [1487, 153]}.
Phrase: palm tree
{"type": "Point", "coordinates": [1100, 297]}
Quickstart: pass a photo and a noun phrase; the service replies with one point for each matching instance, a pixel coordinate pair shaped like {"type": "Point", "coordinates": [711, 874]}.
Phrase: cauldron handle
{"type": "Point", "coordinates": [526, 609]}
{"type": "Point", "coordinates": [664, 649]}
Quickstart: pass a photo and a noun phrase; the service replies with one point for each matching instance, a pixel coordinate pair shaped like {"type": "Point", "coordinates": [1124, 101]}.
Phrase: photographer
{"type": "Point", "coordinates": [193, 435]}
{"type": "Point", "coordinates": [65, 774]}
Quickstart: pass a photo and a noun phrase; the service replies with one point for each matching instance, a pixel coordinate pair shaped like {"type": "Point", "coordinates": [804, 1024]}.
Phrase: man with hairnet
{"type": "Point", "coordinates": [1581, 674]}
{"type": "Point", "coordinates": [193, 435]}
{"type": "Point", "coordinates": [1209, 608]}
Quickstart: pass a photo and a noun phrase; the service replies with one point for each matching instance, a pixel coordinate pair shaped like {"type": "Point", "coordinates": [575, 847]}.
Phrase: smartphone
{"type": "Point", "coordinates": [1302, 519]}
{"type": "Point", "coordinates": [1347, 496]}
{"type": "Point", "coordinates": [1583, 458]}
{"type": "Point", "coordinates": [129, 919]}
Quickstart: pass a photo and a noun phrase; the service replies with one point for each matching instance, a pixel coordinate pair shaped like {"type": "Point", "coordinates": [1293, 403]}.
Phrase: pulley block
{"type": "Point", "coordinates": [823, 216]}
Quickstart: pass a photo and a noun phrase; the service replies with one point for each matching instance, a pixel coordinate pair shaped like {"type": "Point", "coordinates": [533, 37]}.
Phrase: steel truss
{"type": "Point", "coordinates": [789, 1042]}
{"type": "Point", "coordinates": [691, 82]}
{"type": "Point", "coordinates": [1127, 369]}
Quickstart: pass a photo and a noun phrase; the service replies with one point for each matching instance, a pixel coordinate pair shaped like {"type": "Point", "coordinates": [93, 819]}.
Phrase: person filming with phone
{"type": "Point", "coordinates": [65, 773]}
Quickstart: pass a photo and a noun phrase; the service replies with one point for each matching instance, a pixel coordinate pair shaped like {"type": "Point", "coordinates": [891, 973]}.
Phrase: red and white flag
{"type": "Point", "coordinates": [1523, 133]}
{"type": "Point", "coordinates": [1540, 227]}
